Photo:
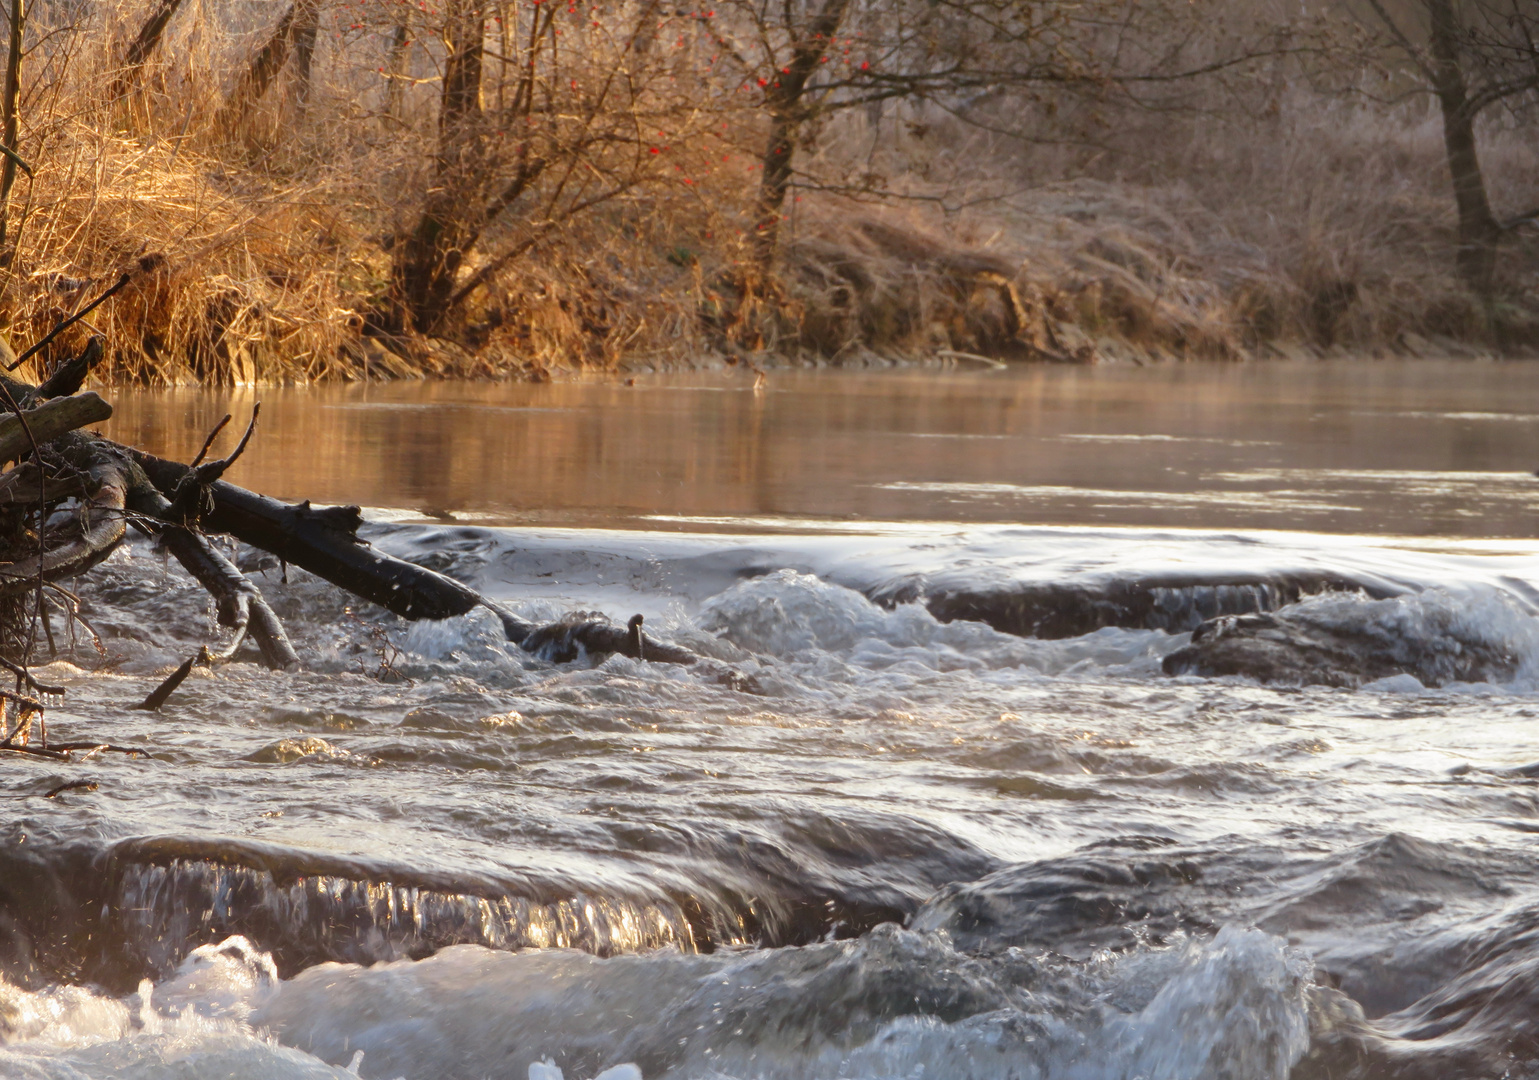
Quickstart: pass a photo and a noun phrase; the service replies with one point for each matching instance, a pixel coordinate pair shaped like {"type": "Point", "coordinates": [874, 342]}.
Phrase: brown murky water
{"type": "Point", "coordinates": [941, 799]}
{"type": "Point", "coordinates": [1415, 448]}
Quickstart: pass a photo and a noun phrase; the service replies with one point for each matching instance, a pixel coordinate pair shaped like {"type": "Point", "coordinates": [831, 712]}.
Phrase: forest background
{"type": "Point", "coordinates": [295, 190]}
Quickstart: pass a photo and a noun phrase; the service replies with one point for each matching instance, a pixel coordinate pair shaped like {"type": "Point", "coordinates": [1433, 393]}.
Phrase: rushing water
{"type": "Point", "coordinates": [955, 793]}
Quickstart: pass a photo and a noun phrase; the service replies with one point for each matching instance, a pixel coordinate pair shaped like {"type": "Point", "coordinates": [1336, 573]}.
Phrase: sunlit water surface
{"type": "Point", "coordinates": [1007, 845]}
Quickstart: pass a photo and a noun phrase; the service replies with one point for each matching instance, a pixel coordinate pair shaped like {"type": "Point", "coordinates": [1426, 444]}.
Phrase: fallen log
{"type": "Point", "coordinates": [324, 541]}
{"type": "Point", "coordinates": [102, 484]}
{"type": "Point", "coordinates": [66, 504]}
{"type": "Point", "coordinates": [48, 421]}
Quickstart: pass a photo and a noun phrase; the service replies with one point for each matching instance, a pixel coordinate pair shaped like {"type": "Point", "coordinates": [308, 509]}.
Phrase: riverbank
{"type": "Point", "coordinates": [238, 279]}
{"type": "Point", "coordinates": [314, 233]}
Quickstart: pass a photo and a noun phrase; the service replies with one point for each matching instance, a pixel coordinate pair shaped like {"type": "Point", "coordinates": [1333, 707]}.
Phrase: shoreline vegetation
{"type": "Point", "coordinates": [303, 190]}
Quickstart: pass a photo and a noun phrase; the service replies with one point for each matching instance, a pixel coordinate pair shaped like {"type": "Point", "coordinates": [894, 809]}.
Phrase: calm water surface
{"type": "Point", "coordinates": [929, 807]}
{"type": "Point", "coordinates": [1412, 448]}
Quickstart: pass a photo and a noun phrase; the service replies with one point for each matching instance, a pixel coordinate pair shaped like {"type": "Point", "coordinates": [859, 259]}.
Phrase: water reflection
{"type": "Point", "coordinates": [1422, 448]}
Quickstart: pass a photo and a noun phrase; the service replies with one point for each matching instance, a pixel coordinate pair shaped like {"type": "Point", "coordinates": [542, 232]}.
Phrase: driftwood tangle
{"type": "Point", "coordinates": [69, 496]}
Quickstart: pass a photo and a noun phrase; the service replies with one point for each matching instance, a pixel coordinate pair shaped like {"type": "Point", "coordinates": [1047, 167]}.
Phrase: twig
{"type": "Point", "coordinates": [209, 442]}
{"type": "Point", "coordinates": [14, 156]}
{"type": "Point", "coordinates": [36, 751]}
{"type": "Point", "coordinates": [72, 785]}
{"type": "Point", "coordinates": [71, 321]}
{"type": "Point", "coordinates": [188, 501]}
{"type": "Point", "coordinates": [159, 695]}
{"type": "Point", "coordinates": [24, 678]}
{"type": "Point", "coordinates": [215, 469]}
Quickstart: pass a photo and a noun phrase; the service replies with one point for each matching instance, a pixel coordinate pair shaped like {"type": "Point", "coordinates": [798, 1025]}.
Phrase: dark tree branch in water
{"type": "Point", "coordinates": [325, 542]}
{"type": "Point", "coordinates": [240, 604]}
{"type": "Point", "coordinates": [70, 785]}
{"type": "Point", "coordinates": [24, 678]}
{"type": "Point", "coordinates": [159, 695]}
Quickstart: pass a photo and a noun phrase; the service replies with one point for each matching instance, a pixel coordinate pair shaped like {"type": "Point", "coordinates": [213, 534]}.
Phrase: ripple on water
{"type": "Point", "coordinates": [919, 843]}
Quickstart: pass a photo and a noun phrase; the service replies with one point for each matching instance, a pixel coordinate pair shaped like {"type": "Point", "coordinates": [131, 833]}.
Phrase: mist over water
{"type": "Point", "coordinates": [973, 802]}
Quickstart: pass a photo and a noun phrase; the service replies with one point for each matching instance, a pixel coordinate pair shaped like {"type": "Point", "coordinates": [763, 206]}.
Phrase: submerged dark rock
{"type": "Point", "coordinates": [1062, 609]}
{"type": "Point", "coordinates": [1307, 646]}
{"type": "Point", "coordinates": [1073, 906]}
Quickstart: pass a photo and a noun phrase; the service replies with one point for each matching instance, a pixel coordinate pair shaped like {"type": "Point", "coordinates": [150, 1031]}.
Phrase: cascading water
{"type": "Point", "coordinates": [948, 801]}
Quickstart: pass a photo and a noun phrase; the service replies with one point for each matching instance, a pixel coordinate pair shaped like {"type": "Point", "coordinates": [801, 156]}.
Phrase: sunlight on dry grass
{"type": "Point", "coordinates": [1323, 227]}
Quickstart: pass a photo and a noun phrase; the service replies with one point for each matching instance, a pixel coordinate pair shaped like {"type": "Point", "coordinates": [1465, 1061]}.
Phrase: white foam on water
{"type": "Point", "coordinates": [875, 1009]}
{"type": "Point", "coordinates": [799, 616]}
{"type": "Point", "coordinates": [476, 636]}
{"type": "Point", "coordinates": [893, 1005]}
{"type": "Point", "coordinates": [799, 634]}
{"type": "Point", "coordinates": [1232, 1007]}
{"type": "Point", "coordinates": [191, 1026]}
{"type": "Point", "coordinates": [1436, 630]}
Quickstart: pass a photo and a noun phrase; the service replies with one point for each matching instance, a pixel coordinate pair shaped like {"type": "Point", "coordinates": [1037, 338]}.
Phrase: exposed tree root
{"type": "Point", "coordinates": [95, 531]}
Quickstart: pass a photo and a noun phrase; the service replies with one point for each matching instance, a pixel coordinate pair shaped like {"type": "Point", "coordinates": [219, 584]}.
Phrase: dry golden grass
{"type": "Point", "coordinates": [1328, 229]}
{"type": "Point", "coordinates": [238, 279]}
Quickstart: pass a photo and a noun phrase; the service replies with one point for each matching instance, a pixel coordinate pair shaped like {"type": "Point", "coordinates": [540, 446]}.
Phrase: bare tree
{"type": "Point", "coordinates": [807, 59]}
{"type": "Point", "coordinates": [1470, 55]}
{"type": "Point", "coordinates": [143, 46]}
{"type": "Point", "coordinates": [569, 135]}
{"type": "Point", "coordinates": [296, 29]}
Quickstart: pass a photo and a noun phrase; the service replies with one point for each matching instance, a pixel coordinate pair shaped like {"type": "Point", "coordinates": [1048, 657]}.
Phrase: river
{"type": "Point", "coordinates": [955, 792]}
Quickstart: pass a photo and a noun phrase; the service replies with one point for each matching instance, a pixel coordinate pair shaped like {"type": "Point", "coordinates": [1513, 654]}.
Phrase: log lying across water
{"type": "Point", "coordinates": [324, 541]}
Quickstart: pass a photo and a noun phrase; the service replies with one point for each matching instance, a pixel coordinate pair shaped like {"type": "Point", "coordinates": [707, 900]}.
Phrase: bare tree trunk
{"type": "Point", "coordinates": [773, 187]}
{"type": "Point", "coordinates": [462, 73]}
{"type": "Point", "coordinates": [788, 112]}
{"type": "Point", "coordinates": [265, 65]}
{"type": "Point", "coordinates": [505, 36]}
{"type": "Point", "coordinates": [10, 110]}
{"type": "Point", "coordinates": [400, 46]}
{"type": "Point", "coordinates": [1478, 228]}
{"type": "Point", "coordinates": [429, 258]}
{"type": "Point", "coordinates": [143, 45]}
